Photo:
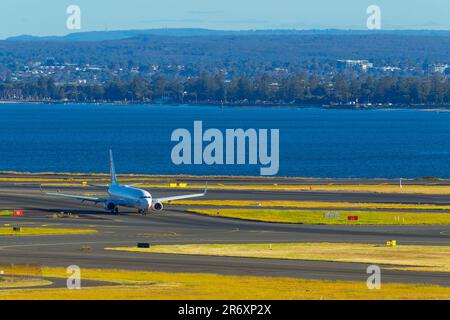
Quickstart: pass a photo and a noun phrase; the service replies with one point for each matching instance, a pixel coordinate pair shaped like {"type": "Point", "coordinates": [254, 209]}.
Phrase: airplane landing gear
{"type": "Point", "coordinates": [115, 211]}
{"type": "Point", "coordinates": [142, 211]}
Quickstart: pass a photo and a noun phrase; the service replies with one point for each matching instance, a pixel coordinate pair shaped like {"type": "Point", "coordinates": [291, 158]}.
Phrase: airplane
{"type": "Point", "coordinates": [127, 196]}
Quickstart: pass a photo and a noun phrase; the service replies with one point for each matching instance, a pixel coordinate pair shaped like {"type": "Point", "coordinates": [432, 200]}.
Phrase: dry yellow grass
{"type": "Point", "coordinates": [375, 188]}
{"type": "Point", "coordinates": [310, 204]}
{"type": "Point", "coordinates": [149, 181]}
{"type": "Point", "coordinates": [11, 283]}
{"type": "Point", "coordinates": [158, 285]}
{"type": "Point", "coordinates": [436, 258]}
{"type": "Point", "coordinates": [318, 216]}
{"type": "Point", "coordinates": [42, 231]}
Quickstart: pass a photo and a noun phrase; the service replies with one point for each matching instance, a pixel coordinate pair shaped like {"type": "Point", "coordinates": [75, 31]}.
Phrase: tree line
{"type": "Point", "coordinates": [237, 54]}
{"type": "Point", "coordinates": [297, 89]}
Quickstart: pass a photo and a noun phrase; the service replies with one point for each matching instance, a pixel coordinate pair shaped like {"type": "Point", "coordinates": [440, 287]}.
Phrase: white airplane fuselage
{"type": "Point", "coordinates": [127, 196]}
{"type": "Point", "coordinates": [133, 197]}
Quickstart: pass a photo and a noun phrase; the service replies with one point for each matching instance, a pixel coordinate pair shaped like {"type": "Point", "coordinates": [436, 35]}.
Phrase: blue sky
{"type": "Point", "coordinates": [48, 17]}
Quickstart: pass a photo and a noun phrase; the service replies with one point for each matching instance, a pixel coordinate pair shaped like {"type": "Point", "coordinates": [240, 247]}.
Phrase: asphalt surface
{"type": "Point", "coordinates": [56, 283]}
{"type": "Point", "coordinates": [173, 226]}
{"type": "Point", "coordinates": [332, 196]}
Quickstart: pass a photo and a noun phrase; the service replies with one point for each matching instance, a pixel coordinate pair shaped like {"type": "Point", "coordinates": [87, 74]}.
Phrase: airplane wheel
{"type": "Point", "coordinates": [116, 211]}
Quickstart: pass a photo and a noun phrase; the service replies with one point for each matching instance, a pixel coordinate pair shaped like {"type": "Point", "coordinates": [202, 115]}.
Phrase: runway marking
{"type": "Point", "coordinates": [158, 234]}
{"type": "Point", "coordinates": [19, 223]}
{"type": "Point", "coordinates": [262, 231]}
{"type": "Point", "coordinates": [445, 233]}
{"type": "Point", "coordinates": [59, 244]}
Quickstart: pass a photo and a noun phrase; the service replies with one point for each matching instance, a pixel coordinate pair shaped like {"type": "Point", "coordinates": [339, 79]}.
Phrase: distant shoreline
{"type": "Point", "coordinates": [201, 178]}
{"type": "Point", "coordinates": [421, 107]}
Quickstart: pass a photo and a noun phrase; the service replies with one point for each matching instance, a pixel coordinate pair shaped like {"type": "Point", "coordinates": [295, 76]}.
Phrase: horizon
{"type": "Point", "coordinates": [49, 18]}
{"type": "Point", "coordinates": [318, 30]}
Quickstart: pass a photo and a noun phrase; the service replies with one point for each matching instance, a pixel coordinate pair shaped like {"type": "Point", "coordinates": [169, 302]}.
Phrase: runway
{"type": "Point", "coordinates": [405, 198]}
{"type": "Point", "coordinates": [174, 226]}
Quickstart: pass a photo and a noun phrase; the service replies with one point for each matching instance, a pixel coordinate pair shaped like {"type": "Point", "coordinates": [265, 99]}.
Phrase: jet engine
{"type": "Point", "coordinates": [110, 206]}
{"type": "Point", "coordinates": [157, 206]}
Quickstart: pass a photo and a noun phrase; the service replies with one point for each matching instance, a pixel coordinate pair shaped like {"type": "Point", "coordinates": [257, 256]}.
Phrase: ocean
{"type": "Point", "coordinates": [314, 142]}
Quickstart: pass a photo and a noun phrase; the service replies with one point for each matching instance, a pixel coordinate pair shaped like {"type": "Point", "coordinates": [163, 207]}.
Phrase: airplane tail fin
{"type": "Point", "coordinates": [112, 169]}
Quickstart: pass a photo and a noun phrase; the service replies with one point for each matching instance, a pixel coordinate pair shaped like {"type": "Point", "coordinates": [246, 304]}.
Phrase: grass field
{"type": "Point", "coordinates": [42, 231]}
{"type": "Point", "coordinates": [18, 282]}
{"type": "Point", "coordinates": [149, 181]}
{"type": "Point", "coordinates": [432, 258]}
{"type": "Point", "coordinates": [310, 204]}
{"type": "Point", "coordinates": [317, 216]}
{"type": "Point", "coordinates": [376, 188]}
{"type": "Point", "coordinates": [158, 285]}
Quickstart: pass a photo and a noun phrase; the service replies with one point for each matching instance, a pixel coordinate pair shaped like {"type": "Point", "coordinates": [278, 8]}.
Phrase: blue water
{"type": "Point", "coordinates": [313, 142]}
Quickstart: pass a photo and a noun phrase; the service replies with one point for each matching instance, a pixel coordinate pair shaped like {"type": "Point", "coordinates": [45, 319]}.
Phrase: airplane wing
{"type": "Point", "coordinates": [78, 197]}
{"type": "Point", "coordinates": [133, 184]}
{"type": "Point", "coordinates": [99, 187]}
{"type": "Point", "coordinates": [185, 196]}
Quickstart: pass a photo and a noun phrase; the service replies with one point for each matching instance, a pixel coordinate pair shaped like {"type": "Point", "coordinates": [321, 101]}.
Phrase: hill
{"type": "Point", "coordinates": [196, 32]}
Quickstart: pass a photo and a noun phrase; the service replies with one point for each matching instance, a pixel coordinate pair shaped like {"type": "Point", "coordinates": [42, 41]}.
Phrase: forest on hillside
{"type": "Point", "coordinates": [296, 89]}
{"type": "Point", "coordinates": [232, 69]}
